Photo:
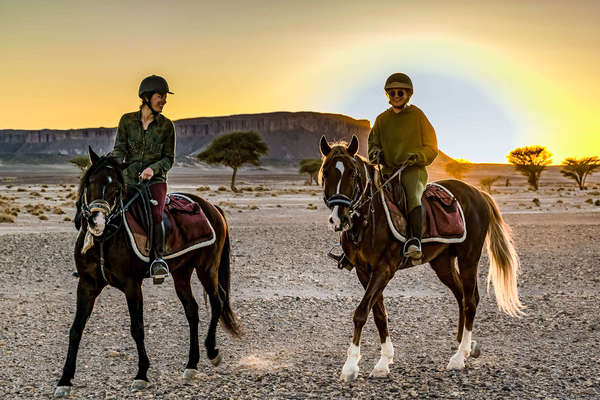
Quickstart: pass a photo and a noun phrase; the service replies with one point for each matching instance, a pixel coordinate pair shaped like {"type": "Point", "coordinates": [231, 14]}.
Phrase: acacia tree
{"type": "Point", "coordinates": [81, 162]}
{"type": "Point", "coordinates": [530, 161]}
{"type": "Point", "coordinates": [458, 168]}
{"type": "Point", "coordinates": [310, 166]}
{"type": "Point", "coordinates": [234, 150]}
{"type": "Point", "coordinates": [580, 169]}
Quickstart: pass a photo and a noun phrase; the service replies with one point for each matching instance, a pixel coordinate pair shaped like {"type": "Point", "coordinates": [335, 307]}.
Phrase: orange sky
{"type": "Point", "coordinates": [490, 75]}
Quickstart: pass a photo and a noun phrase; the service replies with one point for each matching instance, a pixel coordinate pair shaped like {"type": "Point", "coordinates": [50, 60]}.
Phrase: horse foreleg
{"type": "Point", "coordinates": [381, 369]}
{"type": "Point", "coordinates": [184, 293]}
{"type": "Point", "coordinates": [87, 291]}
{"type": "Point", "coordinates": [135, 304]}
{"type": "Point", "coordinates": [377, 283]}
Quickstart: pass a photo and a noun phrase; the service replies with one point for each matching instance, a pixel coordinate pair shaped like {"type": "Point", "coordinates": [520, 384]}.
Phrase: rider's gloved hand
{"type": "Point", "coordinates": [377, 157]}
{"type": "Point", "coordinates": [411, 159]}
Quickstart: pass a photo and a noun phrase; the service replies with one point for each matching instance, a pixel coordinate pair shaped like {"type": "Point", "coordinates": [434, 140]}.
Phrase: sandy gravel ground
{"type": "Point", "coordinates": [296, 309]}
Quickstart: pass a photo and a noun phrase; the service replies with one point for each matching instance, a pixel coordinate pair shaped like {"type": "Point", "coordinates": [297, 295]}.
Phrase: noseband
{"type": "Point", "coordinates": [101, 205]}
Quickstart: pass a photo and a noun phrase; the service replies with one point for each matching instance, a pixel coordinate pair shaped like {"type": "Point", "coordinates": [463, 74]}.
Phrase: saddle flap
{"type": "Point", "coordinates": [443, 222]}
{"type": "Point", "coordinates": [186, 228]}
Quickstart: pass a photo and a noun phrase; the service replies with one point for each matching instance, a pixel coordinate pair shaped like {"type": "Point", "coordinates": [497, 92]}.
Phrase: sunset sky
{"type": "Point", "coordinates": [490, 76]}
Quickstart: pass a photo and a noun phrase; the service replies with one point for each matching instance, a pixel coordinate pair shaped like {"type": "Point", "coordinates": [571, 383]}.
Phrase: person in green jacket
{"type": "Point", "coordinates": [145, 141]}
{"type": "Point", "coordinates": [402, 135]}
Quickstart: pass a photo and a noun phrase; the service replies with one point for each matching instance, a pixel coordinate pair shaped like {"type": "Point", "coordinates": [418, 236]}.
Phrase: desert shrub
{"type": "Point", "coordinates": [559, 201]}
{"type": "Point", "coordinates": [34, 194]}
{"type": "Point", "coordinates": [253, 207]}
{"type": "Point", "coordinates": [67, 219]}
{"type": "Point", "coordinates": [43, 217]}
{"type": "Point", "coordinates": [9, 186]}
{"type": "Point", "coordinates": [594, 193]}
{"type": "Point", "coordinates": [536, 201]}
{"type": "Point", "coordinates": [57, 210]}
{"type": "Point", "coordinates": [45, 186]}
{"type": "Point", "coordinates": [202, 188]}
{"type": "Point", "coordinates": [262, 188]}
{"type": "Point", "coordinates": [222, 189]}
{"type": "Point", "coordinates": [597, 203]}
{"type": "Point", "coordinates": [278, 206]}
{"type": "Point", "coordinates": [458, 168]}
{"type": "Point", "coordinates": [311, 206]}
{"type": "Point", "coordinates": [590, 201]}
{"type": "Point", "coordinates": [21, 190]}
{"type": "Point", "coordinates": [48, 198]}
{"type": "Point", "coordinates": [42, 190]}
{"type": "Point", "coordinates": [7, 218]}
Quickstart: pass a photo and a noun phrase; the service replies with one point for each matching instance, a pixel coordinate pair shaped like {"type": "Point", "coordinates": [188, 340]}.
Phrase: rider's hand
{"type": "Point", "coordinates": [377, 157]}
{"type": "Point", "coordinates": [147, 174]}
{"type": "Point", "coordinates": [411, 160]}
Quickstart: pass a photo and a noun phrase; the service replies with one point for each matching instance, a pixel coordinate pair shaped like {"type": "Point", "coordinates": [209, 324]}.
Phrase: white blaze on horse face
{"type": "Point", "coordinates": [464, 350]}
{"type": "Point", "coordinates": [340, 167]}
{"type": "Point", "coordinates": [335, 222]}
{"type": "Point", "coordinates": [99, 222]}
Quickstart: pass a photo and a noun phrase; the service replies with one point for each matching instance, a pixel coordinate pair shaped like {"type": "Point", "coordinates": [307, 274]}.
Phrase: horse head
{"type": "Point", "coordinates": [340, 178]}
{"type": "Point", "coordinates": [101, 190]}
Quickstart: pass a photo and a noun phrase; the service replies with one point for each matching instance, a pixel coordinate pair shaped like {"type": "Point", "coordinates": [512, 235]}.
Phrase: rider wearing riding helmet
{"type": "Point", "coordinates": [145, 141]}
{"type": "Point", "coordinates": [402, 135]}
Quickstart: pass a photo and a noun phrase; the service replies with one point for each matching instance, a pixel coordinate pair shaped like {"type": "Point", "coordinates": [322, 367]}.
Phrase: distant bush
{"type": "Point", "coordinates": [536, 201]}
{"type": "Point", "coordinates": [458, 168]}
{"type": "Point", "coordinates": [580, 169]}
{"type": "Point", "coordinates": [202, 188]}
{"type": "Point", "coordinates": [43, 217]}
{"type": "Point", "coordinates": [530, 161]}
{"type": "Point", "coordinates": [7, 218]}
{"type": "Point", "coordinates": [486, 183]}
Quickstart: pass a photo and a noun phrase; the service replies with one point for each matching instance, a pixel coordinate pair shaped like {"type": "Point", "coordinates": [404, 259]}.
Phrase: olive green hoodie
{"type": "Point", "coordinates": [398, 135]}
{"type": "Point", "coordinates": [155, 148]}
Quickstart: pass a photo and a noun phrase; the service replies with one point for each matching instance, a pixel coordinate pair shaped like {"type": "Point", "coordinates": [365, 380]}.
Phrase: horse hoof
{"type": "Point", "coordinates": [138, 385]}
{"type": "Point", "coordinates": [379, 373]}
{"type": "Point", "coordinates": [190, 374]}
{"type": "Point", "coordinates": [217, 360]}
{"type": "Point", "coordinates": [456, 363]}
{"type": "Point", "coordinates": [475, 349]}
{"type": "Point", "coordinates": [349, 376]}
{"type": "Point", "coordinates": [62, 391]}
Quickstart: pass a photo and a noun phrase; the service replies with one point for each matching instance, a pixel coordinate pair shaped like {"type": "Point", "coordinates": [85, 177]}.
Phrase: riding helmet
{"type": "Point", "coordinates": [154, 83]}
{"type": "Point", "coordinates": [398, 80]}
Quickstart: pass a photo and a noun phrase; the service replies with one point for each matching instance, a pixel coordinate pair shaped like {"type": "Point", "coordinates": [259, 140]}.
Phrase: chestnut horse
{"type": "Point", "coordinates": [357, 212]}
{"type": "Point", "coordinates": [103, 257]}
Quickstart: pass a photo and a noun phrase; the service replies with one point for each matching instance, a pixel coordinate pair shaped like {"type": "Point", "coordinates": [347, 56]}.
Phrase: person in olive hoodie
{"type": "Point", "coordinates": [146, 142]}
{"type": "Point", "coordinates": [403, 134]}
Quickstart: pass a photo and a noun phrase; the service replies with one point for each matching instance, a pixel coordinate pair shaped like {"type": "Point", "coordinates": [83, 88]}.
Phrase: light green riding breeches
{"type": "Point", "coordinates": [414, 180]}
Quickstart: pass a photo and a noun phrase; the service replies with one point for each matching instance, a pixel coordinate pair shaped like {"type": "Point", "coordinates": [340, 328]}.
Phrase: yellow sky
{"type": "Point", "coordinates": [68, 64]}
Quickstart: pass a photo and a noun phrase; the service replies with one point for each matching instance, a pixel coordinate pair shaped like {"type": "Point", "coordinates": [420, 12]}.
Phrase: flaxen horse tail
{"type": "Point", "coordinates": [229, 320]}
{"type": "Point", "coordinates": [504, 262]}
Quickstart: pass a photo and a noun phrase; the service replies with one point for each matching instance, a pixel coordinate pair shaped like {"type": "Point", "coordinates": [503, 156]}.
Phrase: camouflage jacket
{"type": "Point", "coordinates": [154, 148]}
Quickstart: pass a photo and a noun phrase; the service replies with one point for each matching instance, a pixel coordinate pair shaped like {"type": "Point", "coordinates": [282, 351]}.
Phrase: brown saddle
{"type": "Point", "coordinates": [444, 220]}
{"type": "Point", "coordinates": [186, 228]}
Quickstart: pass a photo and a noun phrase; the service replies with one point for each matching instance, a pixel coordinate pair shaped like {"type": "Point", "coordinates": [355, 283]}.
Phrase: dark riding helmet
{"type": "Point", "coordinates": [400, 81]}
{"type": "Point", "coordinates": [154, 84]}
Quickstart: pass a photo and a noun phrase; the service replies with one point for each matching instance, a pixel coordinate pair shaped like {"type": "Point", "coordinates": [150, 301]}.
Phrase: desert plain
{"type": "Point", "coordinates": [296, 307]}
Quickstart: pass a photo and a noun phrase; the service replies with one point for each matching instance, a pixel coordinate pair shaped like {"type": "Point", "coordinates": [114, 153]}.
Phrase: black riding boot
{"type": "Point", "coordinates": [412, 247]}
{"type": "Point", "coordinates": [159, 269]}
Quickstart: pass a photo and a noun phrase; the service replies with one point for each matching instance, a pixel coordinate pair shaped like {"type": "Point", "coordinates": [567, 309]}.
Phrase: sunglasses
{"type": "Point", "coordinates": [394, 92]}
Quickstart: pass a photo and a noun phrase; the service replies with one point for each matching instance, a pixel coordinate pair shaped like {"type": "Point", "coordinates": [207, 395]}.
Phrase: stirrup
{"type": "Point", "coordinates": [412, 249]}
{"type": "Point", "coordinates": [159, 270]}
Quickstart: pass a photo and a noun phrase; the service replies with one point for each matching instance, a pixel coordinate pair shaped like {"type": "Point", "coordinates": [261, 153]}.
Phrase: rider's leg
{"type": "Point", "coordinates": [159, 268]}
{"type": "Point", "coordinates": [414, 180]}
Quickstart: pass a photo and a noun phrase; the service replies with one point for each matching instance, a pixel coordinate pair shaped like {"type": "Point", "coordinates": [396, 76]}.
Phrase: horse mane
{"type": "Point", "coordinates": [103, 162]}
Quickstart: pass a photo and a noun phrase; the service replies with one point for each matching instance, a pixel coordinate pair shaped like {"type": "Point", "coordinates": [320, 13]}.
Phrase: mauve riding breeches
{"type": "Point", "coordinates": [158, 192]}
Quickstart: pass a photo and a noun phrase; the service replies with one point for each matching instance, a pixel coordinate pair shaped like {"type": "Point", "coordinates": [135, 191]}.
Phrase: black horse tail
{"type": "Point", "coordinates": [229, 320]}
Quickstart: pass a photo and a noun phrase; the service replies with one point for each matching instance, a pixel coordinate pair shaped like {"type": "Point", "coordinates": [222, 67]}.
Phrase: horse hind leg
{"type": "Point", "coordinates": [467, 347]}
{"type": "Point", "coordinates": [183, 288]}
{"type": "Point", "coordinates": [211, 287]}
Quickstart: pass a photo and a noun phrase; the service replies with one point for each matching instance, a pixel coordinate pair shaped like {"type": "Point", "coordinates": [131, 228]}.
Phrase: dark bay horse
{"type": "Point", "coordinates": [347, 181]}
{"type": "Point", "coordinates": [102, 192]}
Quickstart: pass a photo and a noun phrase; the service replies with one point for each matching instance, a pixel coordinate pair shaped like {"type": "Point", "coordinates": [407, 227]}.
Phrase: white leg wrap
{"type": "Point", "coordinates": [387, 357]}
{"type": "Point", "coordinates": [464, 350]}
{"type": "Point", "coordinates": [350, 369]}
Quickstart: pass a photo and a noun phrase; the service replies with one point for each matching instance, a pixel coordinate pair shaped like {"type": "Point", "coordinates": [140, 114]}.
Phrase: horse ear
{"type": "Point", "coordinates": [353, 146]}
{"type": "Point", "coordinates": [93, 156]}
{"type": "Point", "coordinates": [325, 148]}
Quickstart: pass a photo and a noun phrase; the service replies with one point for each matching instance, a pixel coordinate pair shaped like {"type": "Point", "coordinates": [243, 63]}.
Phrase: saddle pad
{"type": "Point", "coordinates": [444, 221]}
{"type": "Point", "coordinates": [186, 226]}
